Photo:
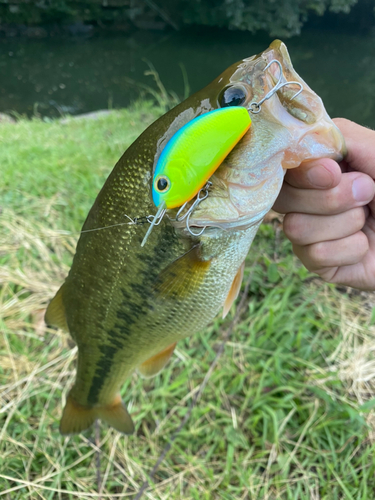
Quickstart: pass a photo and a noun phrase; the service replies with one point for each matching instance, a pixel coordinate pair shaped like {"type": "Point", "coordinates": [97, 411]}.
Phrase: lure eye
{"type": "Point", "coordinates": [162, 184]}
{"type": "Point", "coordinates": [232, 96]}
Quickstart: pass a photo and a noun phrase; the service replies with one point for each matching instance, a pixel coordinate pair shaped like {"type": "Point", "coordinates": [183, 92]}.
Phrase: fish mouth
{"type": "Point", "coordinates": [232, 206]}
{"type": "Point", "coordinates": [195, 226]}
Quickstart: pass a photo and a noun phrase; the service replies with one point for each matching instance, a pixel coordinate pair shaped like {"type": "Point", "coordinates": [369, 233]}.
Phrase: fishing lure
{"type": "Point", "coordinates": [193, 154]}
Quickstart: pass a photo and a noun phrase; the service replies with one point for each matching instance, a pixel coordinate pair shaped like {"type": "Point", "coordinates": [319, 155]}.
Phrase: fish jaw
{"type": "Point", "coordinates": [287, 131]}
{"type": "Point", "coordinates": [243, 206]}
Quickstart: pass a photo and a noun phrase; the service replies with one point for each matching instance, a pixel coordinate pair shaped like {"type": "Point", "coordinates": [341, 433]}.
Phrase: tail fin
{"type": "Point", "coordinates": [117, 416]}
{"type": "Point", "coordinates": [77, 418]}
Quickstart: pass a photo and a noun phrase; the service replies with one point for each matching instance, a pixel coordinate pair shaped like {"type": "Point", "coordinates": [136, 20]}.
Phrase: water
{"type": "Point", "coordinates": [56, 76]}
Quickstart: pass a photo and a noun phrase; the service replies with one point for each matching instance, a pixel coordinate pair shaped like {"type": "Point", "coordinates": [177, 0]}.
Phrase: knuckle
{"type": "Point", "coordinates": [293, 226]}
{"type": "Point", "coordinates": [333, 200]}
{"type": "Point", "coordinates": [301, 253]}
{"type": "Point", "coordinates": [281, 203]}
{"type": "Point", "coordinates": [358, 218]}
{"type": "Point", "coordinates": [328, 274]}
{"type": "Point", "coordinates": [318, 254]}
{"type": "Point", "coordinates": [362, 243]}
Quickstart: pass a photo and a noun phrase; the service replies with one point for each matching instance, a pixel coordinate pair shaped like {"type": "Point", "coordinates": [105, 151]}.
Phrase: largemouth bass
{"type": "Point", "coordinates": [125, 305]}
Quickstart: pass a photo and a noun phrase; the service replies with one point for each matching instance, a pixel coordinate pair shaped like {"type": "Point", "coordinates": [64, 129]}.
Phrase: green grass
{"type": "Point", "coordinates": [288, 413]}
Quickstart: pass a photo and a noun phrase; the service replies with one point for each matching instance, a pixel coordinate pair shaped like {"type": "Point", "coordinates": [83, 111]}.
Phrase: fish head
{"type": "Point", "coordinates": [288, 128]}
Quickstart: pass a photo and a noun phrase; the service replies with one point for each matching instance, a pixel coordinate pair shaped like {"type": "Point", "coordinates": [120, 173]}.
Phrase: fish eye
{"type": "Point", "coordinates": [232, 96]}
{"type": "Point", "coordinates": [162, 184]}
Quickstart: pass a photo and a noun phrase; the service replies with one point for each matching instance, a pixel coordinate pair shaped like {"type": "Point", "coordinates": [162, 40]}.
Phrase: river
{"type": "Point", "coordinates": [54, 76]}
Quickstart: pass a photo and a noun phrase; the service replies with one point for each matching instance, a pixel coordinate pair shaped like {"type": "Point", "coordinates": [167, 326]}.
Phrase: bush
{"type": "Point", "coordinates": [276, 18]}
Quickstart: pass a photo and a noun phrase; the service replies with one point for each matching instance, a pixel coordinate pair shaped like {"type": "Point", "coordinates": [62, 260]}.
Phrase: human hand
{"type": "Point", "coordinates": [330, 211]}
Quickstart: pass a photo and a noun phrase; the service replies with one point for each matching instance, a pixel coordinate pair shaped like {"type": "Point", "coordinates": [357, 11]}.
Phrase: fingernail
{"type": "Point", "coordinates": [319, 177]}
{"type": "Point", "coordinates": [363, 189]}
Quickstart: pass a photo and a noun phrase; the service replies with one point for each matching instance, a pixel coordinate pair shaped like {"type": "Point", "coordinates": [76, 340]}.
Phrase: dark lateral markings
{"type": "Point", "coordinates": [131, 311]}
{"type": "Point", "coordinates": [128, 319]}
{"type": "Point", "coordinates": [103, 367]}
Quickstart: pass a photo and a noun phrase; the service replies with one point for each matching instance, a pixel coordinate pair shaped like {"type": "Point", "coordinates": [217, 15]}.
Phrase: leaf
{"type": "Point", "coordinates": [372, 319]}
{"type": "Point", "coordinates": [273, 273]}
{"type": "Point", "coordinates": [368, 406]}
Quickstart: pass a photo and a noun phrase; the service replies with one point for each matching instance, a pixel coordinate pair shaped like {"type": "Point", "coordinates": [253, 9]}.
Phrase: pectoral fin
{"type": "Point", "coordinates": [234, 290]}
{"type": "Point", "coordinates": [77, 418]}
{"type": "Point", "coordinates": [154, 365]}
{"type": "Point", "coordinates": [184, 276]}
{"type": "Point", "coordinates": [55, 314]}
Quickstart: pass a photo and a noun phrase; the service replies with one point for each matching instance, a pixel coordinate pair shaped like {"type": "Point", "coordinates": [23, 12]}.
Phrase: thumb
{"type": "Point", "coordinates": [323, 173]}
{"type": "Point", "coordinates": [360, 142]}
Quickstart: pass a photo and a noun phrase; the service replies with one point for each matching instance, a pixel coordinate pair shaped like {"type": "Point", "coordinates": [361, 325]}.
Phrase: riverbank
{"type": "Point", "coordinates": [288, 412]}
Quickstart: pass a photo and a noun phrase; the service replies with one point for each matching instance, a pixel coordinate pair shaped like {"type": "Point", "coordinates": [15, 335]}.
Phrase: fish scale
{"type": "Point", "coordinates": [173, 319]}
{"type": "Point", "coordinates": [125, 305]}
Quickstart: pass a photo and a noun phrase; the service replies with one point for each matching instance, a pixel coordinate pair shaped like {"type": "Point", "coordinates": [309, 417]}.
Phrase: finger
{"type": "Point", "coordinates": [354, 190]}
{"type": "Point", "coordinates": [305, 229]}
{"type": "Point", "coordinates": [316, 174]}
{"type": "Point", "coordinates": [355, 275]}
{"type": "Point", "coordinates": [360, 142]}
{"type": "Point", "coordinates": [343, 252]}
{"type": "Point", "coordinates": [362, 274]}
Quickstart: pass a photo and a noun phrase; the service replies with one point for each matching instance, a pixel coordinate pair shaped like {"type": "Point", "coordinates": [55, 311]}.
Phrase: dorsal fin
{"type": "Point", "coordinates": [155, 364]}
{"type": "Point", "coordinates": [234, 290]}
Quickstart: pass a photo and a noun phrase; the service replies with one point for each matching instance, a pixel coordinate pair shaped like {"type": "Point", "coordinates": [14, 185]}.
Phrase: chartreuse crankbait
{"type": "Point", "coordinates": [193, 154]}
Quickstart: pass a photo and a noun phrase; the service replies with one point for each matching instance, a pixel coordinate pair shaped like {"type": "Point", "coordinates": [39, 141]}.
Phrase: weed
{"type": "Point", "coordinates": [288, 412]}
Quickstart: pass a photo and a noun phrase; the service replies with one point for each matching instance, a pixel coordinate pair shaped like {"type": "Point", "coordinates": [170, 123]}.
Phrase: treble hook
{"type": "Point", "coordinates": [255, 107]}
{"type": "Point", "coordinates": [155, 220]}
{"type": "Point", "coordinates": [192, 208]}
{"type": "Point", "coordinates": [195, 204]}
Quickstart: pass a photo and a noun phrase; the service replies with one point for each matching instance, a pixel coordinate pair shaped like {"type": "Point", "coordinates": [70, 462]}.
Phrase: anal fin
{"type": "Point", "coordinates": [234, 290]}
{"type": "Point", "coordinates": [77, 418]}
{"type": "Point", "coordinates": [155, 364]}
{"type": "Point", "coordinates": [55, 314]}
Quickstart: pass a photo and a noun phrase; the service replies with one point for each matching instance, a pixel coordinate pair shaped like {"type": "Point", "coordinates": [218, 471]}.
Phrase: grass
{"type": "Point", "coordinates": [288, 413]}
